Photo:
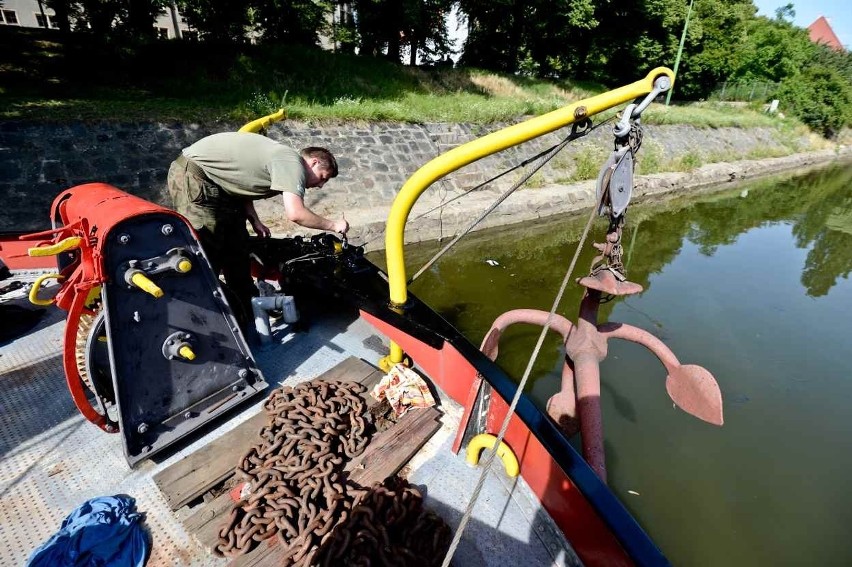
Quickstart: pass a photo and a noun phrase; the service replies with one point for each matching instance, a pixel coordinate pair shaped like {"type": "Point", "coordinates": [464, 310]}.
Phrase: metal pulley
{"type": "Point", "coordinates": [614, 187]}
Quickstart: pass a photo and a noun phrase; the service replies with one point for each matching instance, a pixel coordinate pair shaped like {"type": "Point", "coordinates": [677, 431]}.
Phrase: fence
{"type": "Point", "coordinates": [745, 91]}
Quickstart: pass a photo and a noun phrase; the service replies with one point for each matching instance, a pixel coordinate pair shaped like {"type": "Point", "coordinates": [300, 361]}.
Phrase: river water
{"type": "Point", "coordinates": [751, 283]}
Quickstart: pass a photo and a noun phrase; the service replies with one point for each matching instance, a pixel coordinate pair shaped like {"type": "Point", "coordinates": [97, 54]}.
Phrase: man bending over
{"type": "Point", "coordinates": [215, 181]}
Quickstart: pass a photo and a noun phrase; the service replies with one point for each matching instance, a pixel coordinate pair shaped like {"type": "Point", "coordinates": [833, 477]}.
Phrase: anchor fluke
{"type": "Point", "coordinates": [605, 281]}
{"type": "Point", "coordinates": [696, 392]}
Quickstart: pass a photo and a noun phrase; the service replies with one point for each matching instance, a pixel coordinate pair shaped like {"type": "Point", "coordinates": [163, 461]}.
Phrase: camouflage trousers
{"type": "Point", "coordinates": [220, 221]}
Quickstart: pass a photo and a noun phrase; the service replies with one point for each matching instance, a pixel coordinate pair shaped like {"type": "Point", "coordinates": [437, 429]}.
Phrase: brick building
{"type": "Point", "coordinates": [821, 32]}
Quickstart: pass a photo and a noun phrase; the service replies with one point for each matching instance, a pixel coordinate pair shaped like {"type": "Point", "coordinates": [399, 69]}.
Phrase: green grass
{"type": "Point", "coordinates": [42, 78]}
{"type": "Point", "coordinates": [711, 115]}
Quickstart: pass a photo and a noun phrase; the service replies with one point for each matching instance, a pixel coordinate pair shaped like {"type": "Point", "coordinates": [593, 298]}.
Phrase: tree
{"type": "Point", "coordinates": [218, 20]}
{"type": "Point", "coordinates": [290, 21]}
{"type": "Point", "coordinates": [820, 97]}
{"type": "Point", "coordinates": [140, 17]}
{"type": "Point", "coordinates": [712, 49]}
{"type": "Point", "coordinates": [495, 33]}
{"type": "Point", "coordinates": [785, 13]}
{"type": "Point", "coordinates": [344, 31]}
{"type": "Point", "coordinates": [426, 29]}
{"type": "Point", "coordinates": [558, 36]}
{"type": "Point", "coordinates": [62, 11]}
{"type": "Point", "coordinates": [633, 37]}
{"type": "Point", "coordinates": [388, 26]}
{"type": "Point", "coordinates": [772, 50]}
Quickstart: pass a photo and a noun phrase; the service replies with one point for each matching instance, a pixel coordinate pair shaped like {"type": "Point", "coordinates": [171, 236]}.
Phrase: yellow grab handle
{"type": "Point", "coordinates": [54, 249]}
{"type": "Point", "coordinates": [486, 440]}
{"type": "Point", "coordinates": [141, 281]}
{"type": "Point", "coordinates": [33, 296]}
{"type": "Point", "coordinates": [183, 266]}
{"type": "Point", "coordinates": [186, 353]}
{"type": "Point", "coordinates": [261, 123]}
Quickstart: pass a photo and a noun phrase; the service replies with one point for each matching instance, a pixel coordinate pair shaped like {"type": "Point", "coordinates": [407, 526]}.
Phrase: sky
{"type": "Point", "coordinates": [838, 12]}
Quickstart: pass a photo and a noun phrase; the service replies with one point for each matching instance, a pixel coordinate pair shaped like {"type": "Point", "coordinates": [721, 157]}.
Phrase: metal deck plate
{"type": "Point", "coordinates": [51, 459]}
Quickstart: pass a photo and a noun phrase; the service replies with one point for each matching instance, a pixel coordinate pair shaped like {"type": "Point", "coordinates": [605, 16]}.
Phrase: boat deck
{"type": "Point", "coordinates": [52, 459]}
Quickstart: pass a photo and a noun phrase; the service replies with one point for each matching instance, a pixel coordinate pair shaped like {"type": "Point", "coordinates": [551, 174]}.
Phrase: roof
{"type": "Point", "coordinates": [821, 32]}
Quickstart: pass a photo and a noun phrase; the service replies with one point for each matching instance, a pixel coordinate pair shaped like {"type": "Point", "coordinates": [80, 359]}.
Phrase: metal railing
{"type": "Point", "coordinates": [745, 91]}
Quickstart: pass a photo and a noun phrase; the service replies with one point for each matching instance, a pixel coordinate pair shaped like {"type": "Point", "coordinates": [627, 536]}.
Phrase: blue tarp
{"type": "Point", "coordinates": [102, 532]}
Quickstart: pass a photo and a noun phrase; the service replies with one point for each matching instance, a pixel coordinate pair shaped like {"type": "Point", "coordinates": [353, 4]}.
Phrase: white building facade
{"type": "Point", "coordinates": [35, 14]}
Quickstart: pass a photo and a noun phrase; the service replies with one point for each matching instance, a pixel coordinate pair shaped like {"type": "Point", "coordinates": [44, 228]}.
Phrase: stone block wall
{"type": "Point", "coordinates": [39, 160]}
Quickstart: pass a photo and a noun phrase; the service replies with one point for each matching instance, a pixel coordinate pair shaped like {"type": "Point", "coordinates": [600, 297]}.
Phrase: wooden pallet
{"type": "Point", "coordinates": [192, 478]}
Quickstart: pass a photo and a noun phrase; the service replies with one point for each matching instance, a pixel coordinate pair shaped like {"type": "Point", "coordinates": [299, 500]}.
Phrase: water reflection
{"type": "Point", "coordinates": [751, 283]}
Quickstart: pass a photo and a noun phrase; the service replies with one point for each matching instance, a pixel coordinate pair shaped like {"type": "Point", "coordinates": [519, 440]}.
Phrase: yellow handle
{"type": "Point", "coordinates": [141, 281]}
{"type": "Point", "coordinates": [33, 296]}
{"type": "Point", "coordinates": [54, 249]}
{"type": "Point", "coordinates": [183, 266]}
{"type": "Point", "coordinates": [186, 353]}
{"type": "Point", "coordinates": [485, 440]}
{"type": "Point", "coordinates": [479, 148]}
{"type": "Point", "coordinates": [261, 123]}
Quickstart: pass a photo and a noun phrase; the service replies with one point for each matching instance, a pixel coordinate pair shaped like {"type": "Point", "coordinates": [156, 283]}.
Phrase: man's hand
{"type": "Point", "coordinates": [260, 229]}
{"type": "Point", "coordinates": [341, 226]}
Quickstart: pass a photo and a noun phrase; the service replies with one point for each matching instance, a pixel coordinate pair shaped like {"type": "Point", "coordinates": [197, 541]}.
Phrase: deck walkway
{"type": "Point", "coordinates": [51, 459]}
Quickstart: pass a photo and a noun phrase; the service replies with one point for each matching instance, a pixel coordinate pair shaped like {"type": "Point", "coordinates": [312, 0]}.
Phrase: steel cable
{"type": "Point", "coordinates": [492, 454]}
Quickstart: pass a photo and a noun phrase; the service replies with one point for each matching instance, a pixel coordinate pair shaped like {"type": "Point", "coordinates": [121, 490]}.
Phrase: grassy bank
{"type": "Point", "coordinates": [42, 78]}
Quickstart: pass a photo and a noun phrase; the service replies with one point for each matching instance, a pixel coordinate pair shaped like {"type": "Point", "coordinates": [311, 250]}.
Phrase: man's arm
{"type": "Point", "coordinates": [259, 228]}
{"type": "Point", "coordinates": [298, 213]}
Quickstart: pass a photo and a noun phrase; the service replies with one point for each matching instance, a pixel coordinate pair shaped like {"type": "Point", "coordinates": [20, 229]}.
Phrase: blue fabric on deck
{"type": "Point", "coordinates": [102, 532]}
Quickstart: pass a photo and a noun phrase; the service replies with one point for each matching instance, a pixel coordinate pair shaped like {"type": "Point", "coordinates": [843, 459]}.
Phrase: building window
{"type": "Point", "coordinates": [9, 17]}
{"type": "Point", "coordinates": [162, 33]}
{"type": "Point", "coordinates": [45, 21]}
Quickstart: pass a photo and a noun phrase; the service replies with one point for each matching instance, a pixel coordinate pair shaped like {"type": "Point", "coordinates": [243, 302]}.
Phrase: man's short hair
{"type": "Point", "coordinates": [323, 156]}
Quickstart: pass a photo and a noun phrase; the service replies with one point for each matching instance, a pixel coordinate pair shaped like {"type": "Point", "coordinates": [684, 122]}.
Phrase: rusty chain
{"type": "Point", "coordinates": [612, 251]}
{"type": "Point", "coordinates": [298, 491]}
{"type": "Point", "coordinates": [389, 526]}
{"type": "Point", "coordinates": [297, 488]}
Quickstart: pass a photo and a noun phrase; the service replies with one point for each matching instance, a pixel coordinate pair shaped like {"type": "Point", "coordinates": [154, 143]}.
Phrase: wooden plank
{"type": "Point", "coordinates": [206, 522]}
{"type": "Point", "coordinates": [352, 368]}
{"type": "Point", "coordinates": [269, 553]}
{"type": "Point", "coordinates": [387, 452]}
{"type": "Point", "coordinates": [384, 456]}
{"type": "Point", "coordinates": [391, 449]}
{"type": "Point", "coordinates": [192, 476]}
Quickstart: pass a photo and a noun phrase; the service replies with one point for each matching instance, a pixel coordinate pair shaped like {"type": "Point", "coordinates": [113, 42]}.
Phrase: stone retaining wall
{"type": "Point", "coordinates": [37, 161]}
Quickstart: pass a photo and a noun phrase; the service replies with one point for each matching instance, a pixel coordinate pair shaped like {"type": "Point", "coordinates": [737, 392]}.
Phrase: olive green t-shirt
{"type": "Point", "coordinates": [249, 165]}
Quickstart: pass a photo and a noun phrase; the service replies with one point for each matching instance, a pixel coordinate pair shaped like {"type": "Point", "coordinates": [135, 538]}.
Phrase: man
{"type": "Point", "coordinates": [215, 181]}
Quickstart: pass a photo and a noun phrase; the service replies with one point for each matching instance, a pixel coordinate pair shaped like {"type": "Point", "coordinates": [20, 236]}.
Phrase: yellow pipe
{"type": "Point", "coordinates": [54, 249]}
{"type": "Point", "coordinates": [141, 281]}
{"type": "Point", "coordinates": [33, 295]}
{"type": "Point", "coordinates": [262, 123]}
{"type": "Point", "coordinates": [486, 441]}
{"type": "Point", "coordinates": [467, 153]}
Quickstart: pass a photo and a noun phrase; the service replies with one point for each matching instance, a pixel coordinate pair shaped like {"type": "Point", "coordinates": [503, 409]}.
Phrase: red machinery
{"type": "Point", "coordinates": [151, 346]}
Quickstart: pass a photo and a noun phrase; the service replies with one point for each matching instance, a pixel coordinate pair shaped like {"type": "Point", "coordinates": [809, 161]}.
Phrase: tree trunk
{"type": "Point", "coordinates": [62, 9]}
{"type": "Point", "coordinates": [412, 59]}
{"type": "Point", "coordinates": [393, 47]}
{"type": "Point", "coordinates": [140, 19]}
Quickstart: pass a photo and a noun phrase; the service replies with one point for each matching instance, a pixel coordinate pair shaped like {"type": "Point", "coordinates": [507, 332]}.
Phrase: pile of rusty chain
{"type": "Point", "coordinates": [389, 526]}
{"type": "Point", "coordinates": [297, 487]}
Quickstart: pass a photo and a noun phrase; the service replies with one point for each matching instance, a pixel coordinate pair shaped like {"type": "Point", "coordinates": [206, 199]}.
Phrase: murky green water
{"type": "Point", "coordinates": [750, 283]}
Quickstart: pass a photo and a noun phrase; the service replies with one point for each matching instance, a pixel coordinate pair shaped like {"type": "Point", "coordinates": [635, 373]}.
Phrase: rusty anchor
{"type": "Point", "coordinates": [577, 404]}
